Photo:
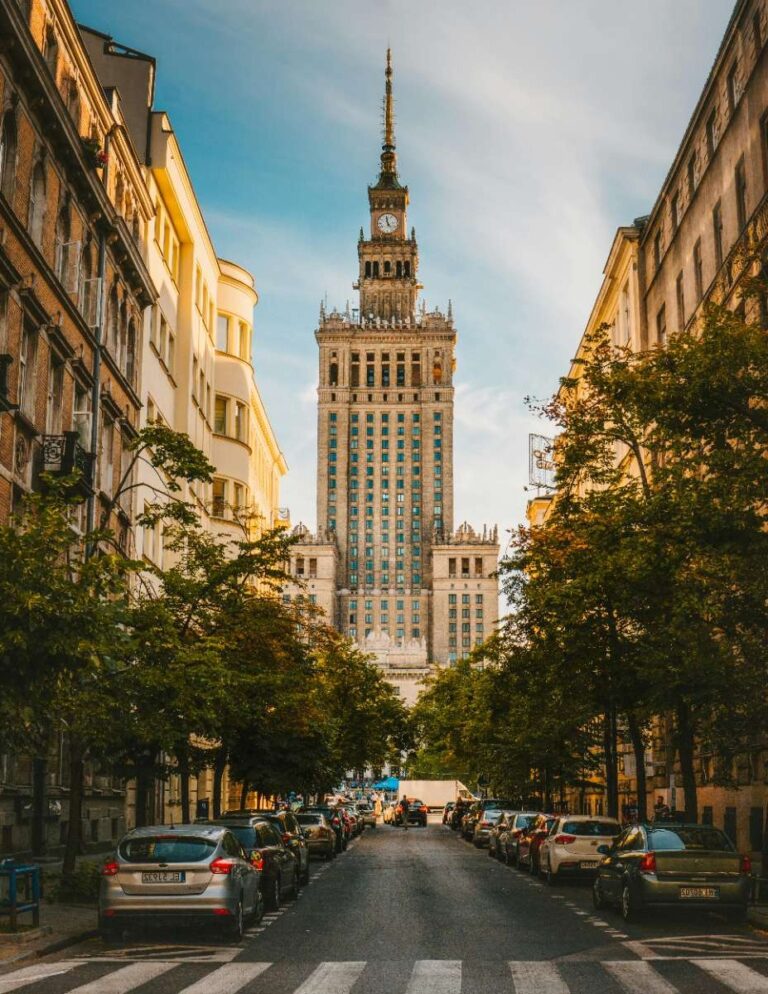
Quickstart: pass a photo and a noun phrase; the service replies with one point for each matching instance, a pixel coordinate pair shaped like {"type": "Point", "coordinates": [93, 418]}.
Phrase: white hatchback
{"type": "Point", "coordinates": [571, 846]}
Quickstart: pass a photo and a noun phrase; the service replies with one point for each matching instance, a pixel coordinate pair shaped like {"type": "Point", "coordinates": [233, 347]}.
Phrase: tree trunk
{"type": "Point", "coordinates": [75, 827]}
{"type": "Point", "coordinates": [182, 757]}
{"type": "Point", "coordinates": [39, 805]}
{"type": "Point", "coordinates": [243, 795]}
{"type": "Point", "coordinates": [219, 765]}
{"type": "Point", "coordinates": [547, 790]}
{"type": "Point", "coordinates": [686, 750]}
{"type": "Point", "coordinates": [145, 790]}
{"type": "Point", "coordinates": [611, 764]}
{"type": "Point", "coordinates": [638, 746]}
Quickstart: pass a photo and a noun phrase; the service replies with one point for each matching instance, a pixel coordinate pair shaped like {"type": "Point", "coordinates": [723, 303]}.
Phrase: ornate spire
{"type": "Point", "coordinates": [388, 175]}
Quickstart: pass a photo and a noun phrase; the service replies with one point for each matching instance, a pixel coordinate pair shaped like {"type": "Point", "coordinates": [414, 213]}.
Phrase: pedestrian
{"type": "Point", "coordinates": [404, 808]}
{"type": "Point", "coordinates": [377, 807]}
{"type": "Point", "coordinates": [660, 810]}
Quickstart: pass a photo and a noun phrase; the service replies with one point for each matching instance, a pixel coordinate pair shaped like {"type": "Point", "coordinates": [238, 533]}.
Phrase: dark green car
{"type": "Point", "coordinates": [672, 865]}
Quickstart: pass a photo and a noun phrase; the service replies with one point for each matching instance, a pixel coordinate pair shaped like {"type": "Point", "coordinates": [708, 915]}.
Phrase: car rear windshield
{"type": "Point", "coordinates": [689, 838]}
{"type": "Point", "coordinates": [525, 821]}
{"type": "Point", "coordinates": [590, 828]}
{"type": "Point", "coordinates": [309, 819]}
{"type": "Point", "coordinates": [497, 803]}
{"type": "Point", "coordinates": [245, 835]}
{"type": "Point", "coordinates": [166, 849]}
{"type": "Point", "coordinates": [415, 803]}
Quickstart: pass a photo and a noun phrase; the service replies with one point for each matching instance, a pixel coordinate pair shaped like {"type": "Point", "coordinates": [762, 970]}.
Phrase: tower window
{"type": "Point", "coordinates": [333, 374]}
{"type": "Point", "coordinates": [398, 269]}
{"type": "Point", "coordinates": [368, 269]}
{"type": "Point", "coordinates": [407, 268]}
{"type": "Point", "coordinates": [387, 267]}
{"type": "Point", "coordinates": [376, 268]}
{"type": "Point", "coordinates": [355, 369]}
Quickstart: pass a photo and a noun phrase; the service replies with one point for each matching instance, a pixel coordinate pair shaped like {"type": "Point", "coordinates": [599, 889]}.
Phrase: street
{"type": "Point", "coordinates": [421, 912]}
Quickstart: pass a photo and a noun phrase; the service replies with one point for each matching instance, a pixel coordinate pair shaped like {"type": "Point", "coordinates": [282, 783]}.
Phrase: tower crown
{"type": "Point", "coordinates": [388, 172]}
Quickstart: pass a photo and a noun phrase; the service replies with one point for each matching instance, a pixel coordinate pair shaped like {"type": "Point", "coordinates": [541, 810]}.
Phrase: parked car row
{"type": "Point", "coordinates": [633, 869]}
{"type": "Point", "coordinates": [222, 873]}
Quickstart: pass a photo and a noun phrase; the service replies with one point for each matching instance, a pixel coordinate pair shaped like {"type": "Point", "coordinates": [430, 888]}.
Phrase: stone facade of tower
{"type": "Point", "coordinates": [385, 459]}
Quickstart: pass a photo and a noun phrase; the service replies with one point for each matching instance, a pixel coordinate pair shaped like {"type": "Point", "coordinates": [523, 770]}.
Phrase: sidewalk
{"type": "Point", "coordinates": [61, 925]}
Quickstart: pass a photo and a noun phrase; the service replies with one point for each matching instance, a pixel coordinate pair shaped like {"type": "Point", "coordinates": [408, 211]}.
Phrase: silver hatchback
{"type": "Point", "coordinates": [188, 874]}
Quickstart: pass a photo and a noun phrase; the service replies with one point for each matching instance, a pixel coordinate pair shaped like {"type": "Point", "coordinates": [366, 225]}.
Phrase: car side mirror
{"type": "Point", "coordinates": [605, 850]}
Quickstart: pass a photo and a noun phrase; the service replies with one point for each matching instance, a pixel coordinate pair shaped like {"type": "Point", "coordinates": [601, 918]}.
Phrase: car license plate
{"type": "Point", "coordinates": [588, 864]}
{"type": "Point", "coordinates": [163, 877]}
{"type": "Point", "coordinates": [698, 893]}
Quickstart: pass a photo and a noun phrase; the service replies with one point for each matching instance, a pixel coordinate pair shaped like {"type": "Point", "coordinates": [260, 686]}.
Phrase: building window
{"type": "Point", "coordinates": [37, 204]}
{"type": "Point", "coordinates": [680, 296]}
{"type": "Point", "coordinates": [693, 168]}
{"type": "Point", "coordinates": [717, 231]}
{"type": "Point", "coordinates": [733, 86]}
{"type": "Point", "coordinates": [674, 211]}
{"type": "Point", "coordinates": [220, 415]}
{"type": "Point", "coordinates": [661, 325]}
{"type": "Point", "coordinates": [698, 271]}
{"type": "Point", "coordinates": [55, 398]}
{"type": "Point", "coordinates": [741, 193]}
{"type": "Point", "coordinates": [222, 333]}
{"type": "Point", "coordinates": [712, 133]}
{"type": "Point", "coordinates": [657, 250]}
{"type": "Point", "coordinates": [27, 358]}
{"type": "Point", "coordinates": [219, 504]}
{"type": "Point", "coordinates": [8, 147]}
{"type": "Point", "coordinates": [241, 422]}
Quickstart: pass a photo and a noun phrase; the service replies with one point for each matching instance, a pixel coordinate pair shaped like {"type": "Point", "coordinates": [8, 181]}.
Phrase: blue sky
{"type": "Point", "coordinates": [527, 133]}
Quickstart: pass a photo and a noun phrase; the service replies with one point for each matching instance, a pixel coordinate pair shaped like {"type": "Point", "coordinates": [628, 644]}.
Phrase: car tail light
{"type": "Point", "coordinates": [110, 868]}
{"type": "Point", "coordinates": [424, 809]}
{"type": "Point", "coordinates": [486, 824]}
{"type": "Point", "coordinates": [647, 864]}
{"type": "Point", "coordinates": [257, 861]}
{"type": "Point", "coordinates": [334, 821]}
{"type": "Point", "coordinates": [564, 840]}
{"type": "Point", "coordinates": [746, 865]}
{"type": "Point", "coordinates": [221, 865]}
{"type": "Point", "coordinates": [516, 831]}
{"type": "Point", "coordinates": [222, 912]}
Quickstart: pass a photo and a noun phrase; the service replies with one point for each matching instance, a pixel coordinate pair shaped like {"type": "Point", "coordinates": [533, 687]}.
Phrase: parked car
{"type": "Point", "coordinates": [530, 840]}
{"type": "Point", "coordinates": [417, 813]}
{"type": "Point", "coordinates": [476, 810]}
{"type": "Point", "coordinates": [347, 824]}
{"type": "Point", "coordinates": [447, 810]}
{"type": "Point", "coordinates": [500, 827]}
{"type": "Point", "coordinates": [571, 846]}
{"type": "Point", "coordinates": [460, 809]}
{"type": "Point", "coordinates": [368, 815]}
{"type": "Point", "coordinates": [510, 840]}
{"type": "Point", "coordinates": [335, 820]}
{"type": "Point", "coordinates": [290, 831]}
{"type": "Point", "coordinates": [356, 819]}
{"type": "Point", "coordinates": [319, 835]}
{"type": "Point", "coordinates": [195, 874]}
{"type": "Point", "coordinates": [263, 841]}
{"type": "Point", "coordinates": [483, 826]}
{"type": "Point", "coordinates": [668, 865]}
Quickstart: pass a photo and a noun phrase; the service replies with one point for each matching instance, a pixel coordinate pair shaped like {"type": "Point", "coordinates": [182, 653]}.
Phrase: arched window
{"type": "Point", "coordinates": [130, 353]}
{"type": "Point", "coordinates": [37, 204]}
{"type": "Point", "coordinates": [51, 51]}
{"type": "Point", "coordinates": [113, 321]}
{"type": "Point", "coordinates": [122, 343]}
{"type": "Point", "coordinates": [63, 233]}
{"type": "Point", "coordinates": [8, 145]}
{"type": "Point", "coordinates": [88, 288]}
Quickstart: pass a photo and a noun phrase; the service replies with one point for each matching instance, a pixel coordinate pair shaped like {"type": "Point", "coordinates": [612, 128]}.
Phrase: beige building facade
{"type": "Point", "coordinates": [707, 233]}
{"type": "Point", "coordinates": [385, 457]}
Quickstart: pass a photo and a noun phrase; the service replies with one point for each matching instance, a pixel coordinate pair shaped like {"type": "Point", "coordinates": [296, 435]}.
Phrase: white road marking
{"type": "Point", "coordinates": [641, 950]}
{"type": "Point", "coordinates": [537, 978]}
{"type": "Point", "coordinates": [435, 976]}
{"type": "Point", "coordinates": [31, 974]}
{"type": "Point", "coordinates": [735, 975]}
{"type": "Point", "coordinates": [637, 977]}
{"type": "Point", "coordinates": [332, 978]}
{"type": "Point", "coordinates": [125, 979]}
{"type": "Point", "coordinates": [227, 979]}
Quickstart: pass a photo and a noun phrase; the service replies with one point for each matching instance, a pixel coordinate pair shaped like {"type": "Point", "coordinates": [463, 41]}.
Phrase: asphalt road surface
{"type": "Point", "coordinates": [421, 912]}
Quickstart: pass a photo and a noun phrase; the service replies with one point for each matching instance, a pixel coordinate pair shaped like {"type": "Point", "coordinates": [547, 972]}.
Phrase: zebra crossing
{"type": "Point", "coordinates": [631, 976]}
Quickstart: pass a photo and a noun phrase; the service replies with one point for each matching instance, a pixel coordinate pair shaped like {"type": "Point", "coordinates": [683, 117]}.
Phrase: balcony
{"type": "Point", "coordinates": [63, 455]}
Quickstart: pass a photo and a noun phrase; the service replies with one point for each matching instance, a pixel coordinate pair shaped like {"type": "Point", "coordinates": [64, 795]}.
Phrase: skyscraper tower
{"type": "Point", "coordinates": [385, 460]}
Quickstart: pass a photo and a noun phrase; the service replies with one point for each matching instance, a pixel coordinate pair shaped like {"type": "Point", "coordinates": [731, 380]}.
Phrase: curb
{"type": "Point", "coordinates": [51, 947]}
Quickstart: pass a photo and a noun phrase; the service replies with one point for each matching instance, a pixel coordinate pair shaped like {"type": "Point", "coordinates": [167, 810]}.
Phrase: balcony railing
{"type": "Point", "coordinates": [63, 455]}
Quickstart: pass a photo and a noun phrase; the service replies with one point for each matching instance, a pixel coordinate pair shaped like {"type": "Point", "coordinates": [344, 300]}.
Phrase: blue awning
{"type": "Point", "coordinates": [391, 783]}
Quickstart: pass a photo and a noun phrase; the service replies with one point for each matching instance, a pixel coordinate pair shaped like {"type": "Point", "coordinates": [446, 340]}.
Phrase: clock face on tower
{"type": "Point", "coordinates": [387, 223]}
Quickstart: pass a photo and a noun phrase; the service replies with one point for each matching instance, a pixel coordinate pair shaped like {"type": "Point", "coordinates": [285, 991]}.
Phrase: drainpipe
{"type": "Point", "coordinates": [97, 361]}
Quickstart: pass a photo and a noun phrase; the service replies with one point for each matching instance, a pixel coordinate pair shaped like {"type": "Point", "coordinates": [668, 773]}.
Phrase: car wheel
{"type": "Point", "coordinates": [236, 929]}
{"type": "Point", "coordinates": [598, 899]}
{"type": "Point", "coordinates": [305, 875]}
{"type": "Point", "coordinates": [272, 894]}
{"type": "Point", "coordinates": [109, 932]}
{"type": "Point", "coordinates": [551, 878]}
{"type": "Point", "coordinates": [629, 909]}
